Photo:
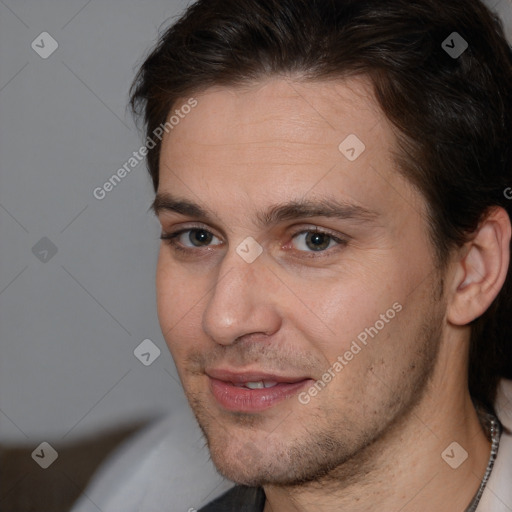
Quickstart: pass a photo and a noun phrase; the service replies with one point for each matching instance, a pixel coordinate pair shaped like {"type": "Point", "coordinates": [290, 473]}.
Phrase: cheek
{"type": "Point", "coordinates": [380, 336]}
{"type": "Point", "coordinates": [342, 310]}
{"type": "Point", "coordinates": [373, 336]}
{"type": "Point", "coordinates": [178, 303]}
{"type": "Point", "coordinates": [165, 283]}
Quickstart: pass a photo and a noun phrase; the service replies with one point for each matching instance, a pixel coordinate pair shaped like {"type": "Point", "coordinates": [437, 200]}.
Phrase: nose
{"type": "Point", "coordinates": [243, 302]}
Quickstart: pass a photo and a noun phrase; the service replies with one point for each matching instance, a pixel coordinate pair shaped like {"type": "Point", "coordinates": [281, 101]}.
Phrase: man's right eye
{"type": "Point", "coordinates": [188, 239]}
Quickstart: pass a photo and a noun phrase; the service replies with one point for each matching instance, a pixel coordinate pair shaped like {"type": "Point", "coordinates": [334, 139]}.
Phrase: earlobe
{"type": "Point", "coordinates": [481, 269]}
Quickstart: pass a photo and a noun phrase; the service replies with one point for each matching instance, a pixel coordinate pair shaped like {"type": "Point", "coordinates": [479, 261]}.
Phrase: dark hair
{"type": "Point", "coordinates": [453, 114]}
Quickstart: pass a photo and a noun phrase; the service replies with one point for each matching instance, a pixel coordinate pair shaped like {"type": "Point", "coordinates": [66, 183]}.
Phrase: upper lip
{"type": "Point", "coordinates": [254, 376]}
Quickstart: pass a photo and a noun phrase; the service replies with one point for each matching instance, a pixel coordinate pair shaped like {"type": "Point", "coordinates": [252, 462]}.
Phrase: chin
{"type": "Point", "coordinates": [245, 468]}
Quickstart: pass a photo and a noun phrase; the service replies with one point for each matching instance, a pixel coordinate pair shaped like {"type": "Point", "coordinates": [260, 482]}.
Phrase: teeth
{"type": "Point", "coordinates": [255, 385]}
{"type": "Point", "coordinates": [258, 385]}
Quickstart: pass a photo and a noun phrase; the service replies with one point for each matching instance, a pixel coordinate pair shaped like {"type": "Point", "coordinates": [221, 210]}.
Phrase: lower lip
{"type": "Point", "coordinates": [238, 399]}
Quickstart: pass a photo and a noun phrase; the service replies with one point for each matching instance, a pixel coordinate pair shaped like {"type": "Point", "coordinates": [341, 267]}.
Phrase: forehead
{"type": "Point", "coordinates": [275, 109]}
{"type": "Point", "coordinates": [283, 137]}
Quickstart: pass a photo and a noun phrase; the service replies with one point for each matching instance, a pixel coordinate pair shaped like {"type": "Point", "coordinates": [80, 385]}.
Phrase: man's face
{"type": "Point", "coordinates": [307, 289]}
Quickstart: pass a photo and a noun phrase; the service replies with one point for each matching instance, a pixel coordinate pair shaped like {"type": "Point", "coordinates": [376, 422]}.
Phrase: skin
{"type": "Point", "coordinates": [372, 438]}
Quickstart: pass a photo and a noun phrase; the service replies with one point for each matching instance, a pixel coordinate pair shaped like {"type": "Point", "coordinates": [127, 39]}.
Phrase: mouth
{"type": "Point", "coordinates": [252, 391]}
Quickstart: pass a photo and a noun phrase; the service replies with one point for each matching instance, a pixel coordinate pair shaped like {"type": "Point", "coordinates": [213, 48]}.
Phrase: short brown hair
{"type": "Point", "coordinates": [453, 114]}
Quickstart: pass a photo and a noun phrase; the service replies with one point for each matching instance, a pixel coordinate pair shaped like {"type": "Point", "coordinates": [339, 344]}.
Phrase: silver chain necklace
{"type": "Point", "coordinates": [493, 427]}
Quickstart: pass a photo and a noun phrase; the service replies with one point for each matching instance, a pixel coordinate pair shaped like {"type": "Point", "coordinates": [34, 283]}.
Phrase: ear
{"type": "Point", "coordinates": [481, 268]}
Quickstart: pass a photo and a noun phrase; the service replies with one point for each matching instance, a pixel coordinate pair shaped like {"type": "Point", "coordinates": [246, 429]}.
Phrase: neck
{"type": "Point", "coordinates": [404, 469]}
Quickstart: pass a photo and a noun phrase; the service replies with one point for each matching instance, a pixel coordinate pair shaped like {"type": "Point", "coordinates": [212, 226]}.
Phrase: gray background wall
{"type": "Point", "coordinates": [70, 321]}
{"type": "Point", "coordinates": [69, 325]}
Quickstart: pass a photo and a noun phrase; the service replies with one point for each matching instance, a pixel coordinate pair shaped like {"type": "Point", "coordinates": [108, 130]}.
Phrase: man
{"type": "Point", "coordinates": [333, 282]}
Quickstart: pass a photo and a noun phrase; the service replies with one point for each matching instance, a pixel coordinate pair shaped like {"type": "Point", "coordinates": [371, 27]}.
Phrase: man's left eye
{"type": "Point", "coordinates": [315, 241]}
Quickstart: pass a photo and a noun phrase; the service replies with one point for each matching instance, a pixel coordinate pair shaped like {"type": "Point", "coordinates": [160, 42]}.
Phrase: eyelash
{"type": "Point", "coordinates": [170, 239]}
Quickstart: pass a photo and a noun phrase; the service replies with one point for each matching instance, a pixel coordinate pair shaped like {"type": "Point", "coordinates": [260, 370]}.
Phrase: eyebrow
{"type": "Point", "coordinates": [326, 207]}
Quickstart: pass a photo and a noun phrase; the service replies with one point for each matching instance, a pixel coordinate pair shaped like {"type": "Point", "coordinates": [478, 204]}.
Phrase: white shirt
{"type": "Point", "coordinates": [166, 467]}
